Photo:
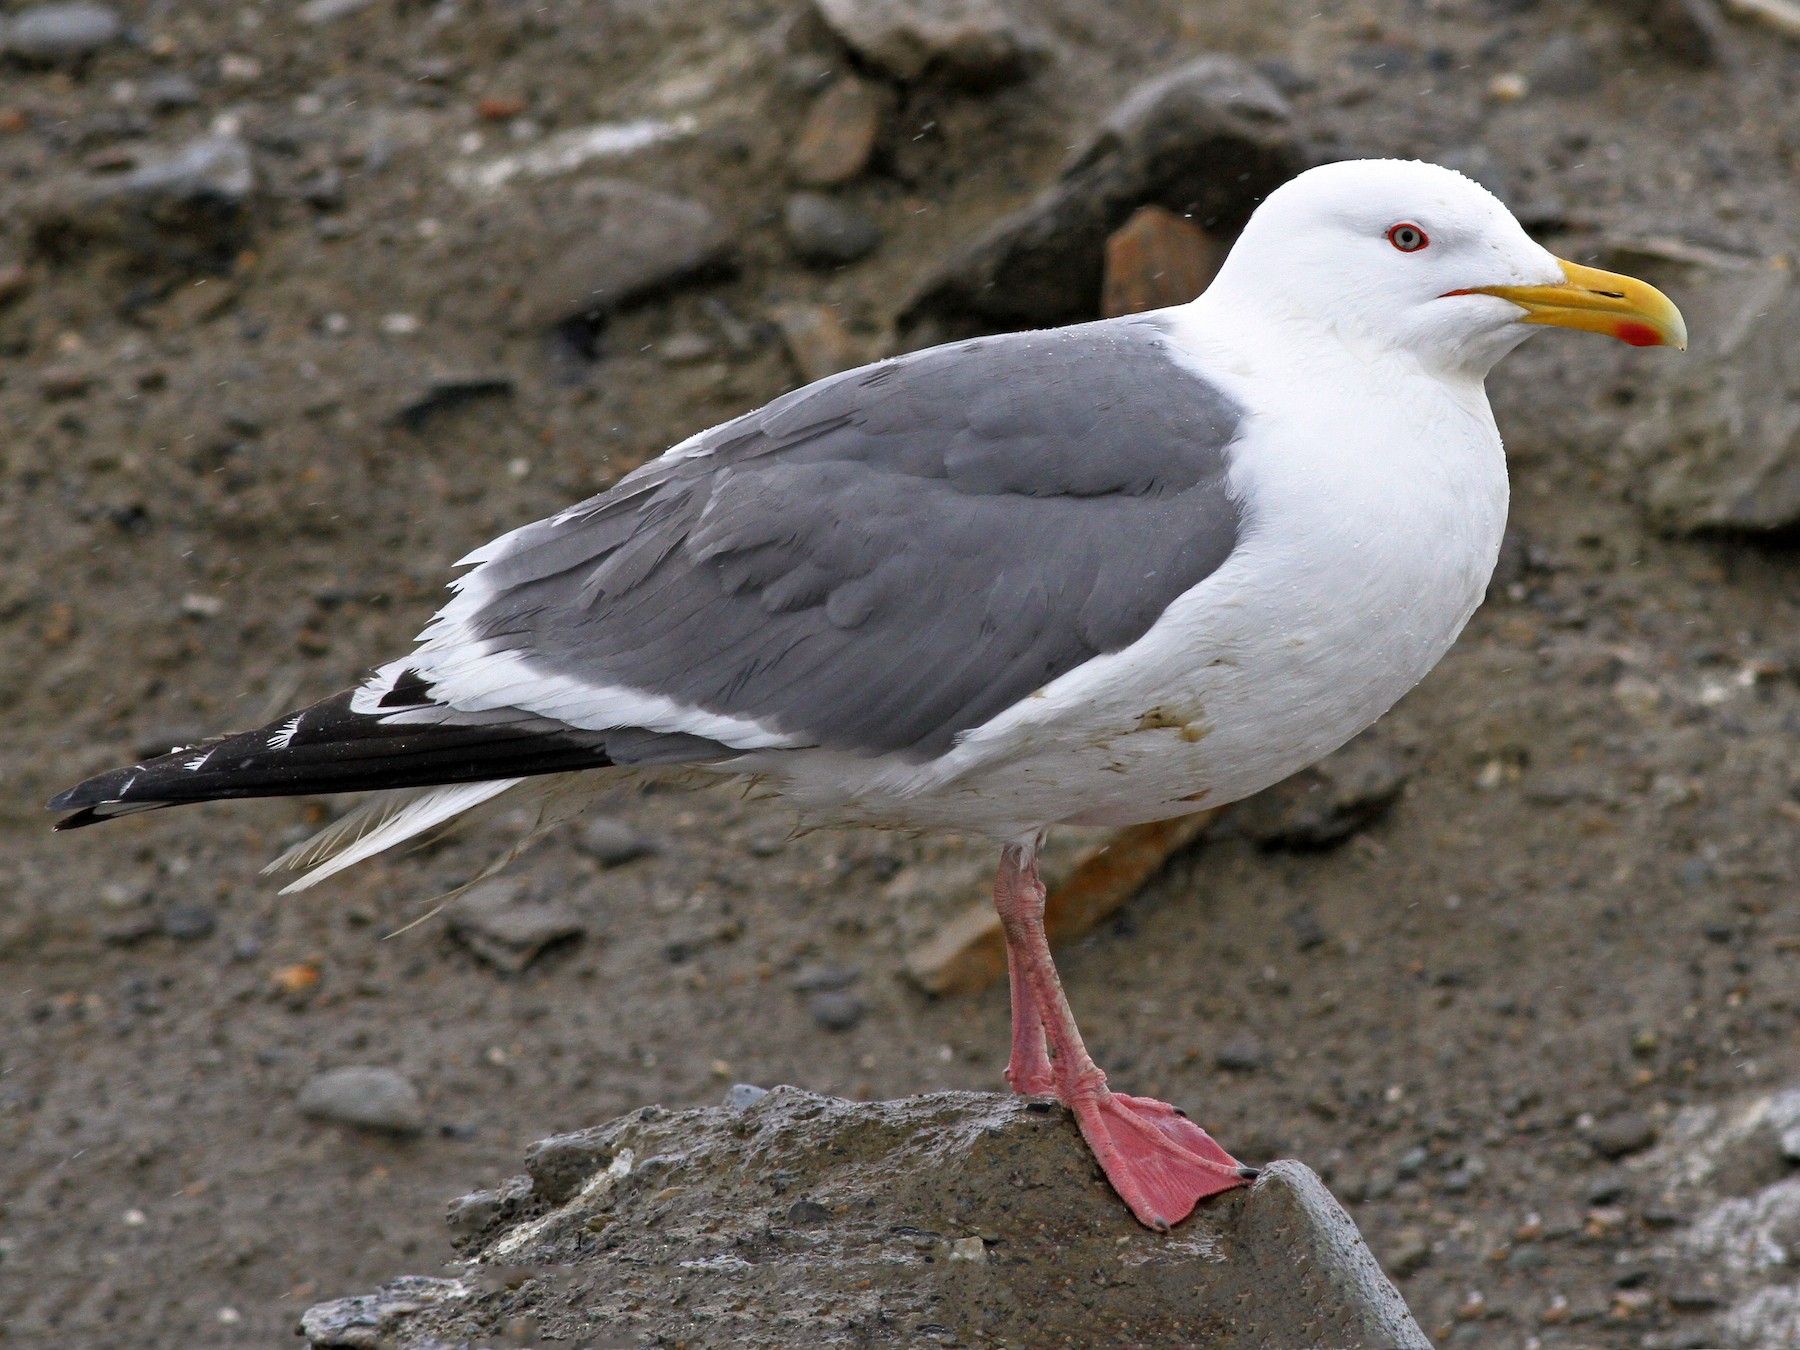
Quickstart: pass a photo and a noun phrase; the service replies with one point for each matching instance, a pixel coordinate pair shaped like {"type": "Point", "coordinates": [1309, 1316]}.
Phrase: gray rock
{"type": "Point", "coordinates": [188, 923]}
{"type": "Point", "coordinates": [1689, 30]}
{"type": "Point", "coordinates": [167, 93]}
{"type": "Point", "coordinates": [560, 1164]}
{"type": "Point", "coordinates": [1345, 792]}
{"type": "Point", "coordinates": [863, 1194]}
{"type": "Point", "coordinates": [1565, 65]}
{"type": "Point", "coordinates": [1718, 430]}
{"type": "Point", "coordinates": [612, 842]}
{"type": "Point", "coordinates": [369, 1321]}
{"type": "Point", "coordinates": [740, 1096]}
{"type": "Point", "coordinates": [1624, 1134]}
{"type": "Point", "coordinates": [624, 244]}
{"type": "Point", "coordinates": [185, 206]}
{"type": "Point", "coordinates": [974, 43]}
{"type": "Point", "coordinates": [364, 1096]}
{"type": "Point", "coordinates": [814, 977]}
{"type": "Point", "coordinates": [836, 1009]}
{"type": "Point", "coordinates": [1243, 1053]}
{"type": "Point", "coordinates": [60, 34]}
{"type": "Point", "coordinates": [825, 230]}
{"type": "Point", "coordinates": [1207, 140]}
{"type": "Point", "coordinates": [468, 1215]}
{"type": "Point", "coordinates": [506, 930]}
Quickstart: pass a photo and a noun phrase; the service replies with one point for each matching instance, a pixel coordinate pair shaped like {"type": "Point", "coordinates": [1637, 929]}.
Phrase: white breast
{"type": "Point", "coordinates": [1374, 507]}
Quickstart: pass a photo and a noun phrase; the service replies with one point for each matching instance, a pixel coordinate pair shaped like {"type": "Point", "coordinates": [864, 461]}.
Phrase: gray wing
{"type": "Point", "coordinates": [885, 559]}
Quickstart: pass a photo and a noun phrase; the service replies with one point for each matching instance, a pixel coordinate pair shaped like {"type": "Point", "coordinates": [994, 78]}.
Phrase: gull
{"type": "Point", "coordinates": [1105, 574]}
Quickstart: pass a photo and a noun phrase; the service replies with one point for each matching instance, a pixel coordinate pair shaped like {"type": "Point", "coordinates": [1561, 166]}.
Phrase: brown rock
{"type": "Point", "coordinates": [1156, 259]}
{"type": "Point", "coordinates": [839, 133]}
{"type": "Point", "coordinates": [816, 339]}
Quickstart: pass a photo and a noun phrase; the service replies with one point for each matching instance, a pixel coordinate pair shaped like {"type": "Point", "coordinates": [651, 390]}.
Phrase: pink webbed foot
{"type": "Point", "coordinates": [1159, 1161]}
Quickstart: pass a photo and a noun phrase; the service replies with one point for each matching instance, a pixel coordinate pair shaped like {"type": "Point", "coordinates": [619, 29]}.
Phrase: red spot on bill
{"type": "Point", "coordinates": [1638, 334]}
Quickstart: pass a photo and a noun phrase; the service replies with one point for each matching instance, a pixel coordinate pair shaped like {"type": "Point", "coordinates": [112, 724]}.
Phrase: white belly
{"type": "Point", "coordinates": [1370, 534]}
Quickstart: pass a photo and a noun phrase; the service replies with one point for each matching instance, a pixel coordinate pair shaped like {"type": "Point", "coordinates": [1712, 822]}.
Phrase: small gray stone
{"type": "Point", "coordinates": [167, 93]}
{"type": "Point", "coordinates": [975, 43]}
{"type": "Point", "coordinates": [369, 1321]}
{"type": "Point", "coordinates": [560, 1164]}
{"type": "Point", "coordinates": [468, 1214]}
{"type": "Point", "coordinates": [836, 1009]}
{"type": "Point", "coordinates": [62, 33]}
{"type": "Point", "coordinates": [742, 1095]}
{"type": "Point", "coordinates": [1243, 1053]}
{"type": "Point", "coordinates": [823, 229]}
{"type": "Point", "coordinates": [1410, 1253]}
{"type": "Point", "coordinates": [624, 243]}
{"type": "Point", "coordinates": [1327, 803]}
{"type": "Point", "coordinates": [507, 931]}
{"type": "Point", "coordinates": [1624, 1134]}
{"type": "Point", "coordinates": [187, 923]}
{"type": "Point", "coordinates": [809, 979]}
{"type": "Point", "coordinates": [611, 842]}
{"type": "Point", "coordinates": [367, 1097]}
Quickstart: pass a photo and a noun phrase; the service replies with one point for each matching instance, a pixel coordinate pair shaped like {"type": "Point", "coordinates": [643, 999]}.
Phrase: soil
{"type": "Point", "coordinates": [1579, 917]}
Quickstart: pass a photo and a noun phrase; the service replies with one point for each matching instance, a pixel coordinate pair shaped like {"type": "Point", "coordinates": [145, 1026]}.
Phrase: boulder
{"type": "Point", "coordinates": [795, 1219]}
{"type": "Point", "coordinates": [1206, 141]}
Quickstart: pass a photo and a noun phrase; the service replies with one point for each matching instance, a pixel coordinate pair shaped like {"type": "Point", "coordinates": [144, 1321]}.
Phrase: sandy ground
{"type": "Point", "coordinates": [1580, 916]}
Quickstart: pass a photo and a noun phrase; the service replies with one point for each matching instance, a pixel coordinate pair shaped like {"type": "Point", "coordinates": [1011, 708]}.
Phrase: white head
{"type": "Point", "coordinates": [1415, 257]}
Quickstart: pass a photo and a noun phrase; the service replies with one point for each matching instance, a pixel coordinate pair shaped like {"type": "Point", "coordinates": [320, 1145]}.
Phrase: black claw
{"type": "Point", "coordinates": [1249, 1173]}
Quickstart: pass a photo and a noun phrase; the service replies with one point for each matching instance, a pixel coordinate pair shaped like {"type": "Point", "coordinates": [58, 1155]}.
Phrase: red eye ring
{"type": "Point", "coordinates": [1407, 237]}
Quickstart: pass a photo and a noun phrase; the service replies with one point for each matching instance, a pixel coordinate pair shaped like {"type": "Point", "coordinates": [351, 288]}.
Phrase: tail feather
{"type": "Point", "coordinates": [386, 819]}
{"type": "Point", "coordinates": [331, 748]}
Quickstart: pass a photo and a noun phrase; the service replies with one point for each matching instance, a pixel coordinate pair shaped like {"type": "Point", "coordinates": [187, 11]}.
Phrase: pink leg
{"type": "Point", "coordinates": [1160, 1162]}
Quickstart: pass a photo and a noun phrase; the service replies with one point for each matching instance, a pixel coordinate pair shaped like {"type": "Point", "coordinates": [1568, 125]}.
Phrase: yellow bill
{"type": "Point", "coordinates": [1593, 301]}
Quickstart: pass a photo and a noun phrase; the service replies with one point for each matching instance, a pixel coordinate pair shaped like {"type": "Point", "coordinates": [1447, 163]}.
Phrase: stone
{"type": "Point", "coordinates": [508, 931]}
{"type": "Point", "coordinates": [836, 1009]}
{"type": "Point", "coordinates": [816, 339]}
{"type": "Point", "coordinates": [1345, 792]}
{"type": "Point", "coordinates": [60, 34]}
{"type": "Point", "coordinates": [368, 1321]}
{"type": "Point", "coordinates": [184, 206]}
{"type": "Point", "coordinates": [1243, 1053]}
{"type": "Point", "coordinates": [725, 1226]}
{"type": "Point", "coordinates": [446, 393]}
{"type": "Point", "coordinates": [740, 1096]}
{"type": "Point", "coordinates": [1717, 435]}
{"type": "Point", "coordinates": [839, 133]}
{"type": "Point", "coordinates": [972, 43]}
{"type": "Point", "coordinates": [1688, 30]}
{"type": "Point", "coordinates": [187, 923]}
{"type": "Point", "coordinates": [613, 842]}
{"type": "Point", "coordinates": [1410, 1254]}
{"type": "Point", "coordinates": [1156, 259]}
{"type": "Point", "coordinates": [1621, 1135]}
{"type": "Point", "coordinates": [1206, 141]}
{"type": "Point", "coordinates": [470, 1214]}
{"type": "Point", "coordinates": [827, 231]}
{"type": "Point", "coordinates": [624, 243]}
{"type": "Point", "coordinates": [15, 283]}
{"type": "Point", "coordinates": [169, 93]}
{"type": "Point", "coordinates": [1564, 66]}
{"type": "Point", "coordinates": [366, 1097]}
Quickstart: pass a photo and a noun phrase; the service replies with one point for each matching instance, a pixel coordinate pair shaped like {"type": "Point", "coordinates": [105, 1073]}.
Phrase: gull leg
{"type": "Point", "coordinates": [1160, 1162]}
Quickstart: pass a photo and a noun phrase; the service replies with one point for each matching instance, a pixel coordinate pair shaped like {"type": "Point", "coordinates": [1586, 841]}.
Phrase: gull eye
{"type": "Point", "coordinates": [1408, 238]}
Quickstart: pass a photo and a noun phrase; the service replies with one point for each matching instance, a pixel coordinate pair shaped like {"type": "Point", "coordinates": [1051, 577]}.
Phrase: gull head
{"type": "Point", "coordinates": [1412, 257]}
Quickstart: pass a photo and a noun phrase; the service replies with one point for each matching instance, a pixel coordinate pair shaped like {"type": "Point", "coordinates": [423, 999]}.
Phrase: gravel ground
{"type": "Point", "coordinates": [224, 499]}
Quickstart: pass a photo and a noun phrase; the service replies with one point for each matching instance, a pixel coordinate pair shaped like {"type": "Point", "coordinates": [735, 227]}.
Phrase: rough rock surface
{"type": "Point", "coordinates": [1207, 140]}
{"type": "Point", "coordinates": [969, 42]}
{"type": "Point", "coordinates": [957, 1217]}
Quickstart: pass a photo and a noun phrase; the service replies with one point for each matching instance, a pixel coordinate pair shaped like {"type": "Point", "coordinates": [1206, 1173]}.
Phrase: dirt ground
{"type": "Point", "coordinates": [1580, 916]}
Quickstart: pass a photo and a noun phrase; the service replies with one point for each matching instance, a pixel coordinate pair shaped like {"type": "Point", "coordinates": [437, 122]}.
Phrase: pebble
{"type": "Point", "coordinates": [366, 1097]}
{"type": "Point", "coordinates": [807, 1214]}
{"type": "Point", "coordinates": [839, 133]}
{"type": "Point", "coordinates": [685, 349]}
{"type": "Point", "coordinates": [1624, 1134]}
{"type": "Point", "coordinates": [973, 43]}
{"type": "Point", "coordinates": [836, 1009]}
{"type": "Point", "coordinates": [816, 339]}
{"type": "Point", "coordinates": [62, 382]}
{"type": "Point", "coordinates": [631, 242]}
{"type": "Point", "coordinates": [169, 93]}
{"type": "Point", "coordinates": [809, 979]}
{"type": "Point", "coordinates": [1243, 1053]}
{"type": "Point", "coordinates": [61, 34]}
{"type": "Point", "coordinates": [969, 1249]}
{"type": "Point", "coordinates": [188, 923]}
{"type": "Point", "coordinates": [15, 283]}
{"type": "Point", "coordinates": [612, 842]}
{"type": "Point", "coordinates": [507, 931]}
{"type": "Point", "coordinates": [740, 1096]}
{"type": "Point", "coordinates": [1156, 259]}
{"type": "Point", "coordinates": [1411, 1253]}
{"type": "Point", "coordinates": [825, 230]}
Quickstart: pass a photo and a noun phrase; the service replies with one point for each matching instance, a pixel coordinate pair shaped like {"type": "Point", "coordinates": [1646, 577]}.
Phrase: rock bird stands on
{"type": "Point", "coordinates": [1096, 575]}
